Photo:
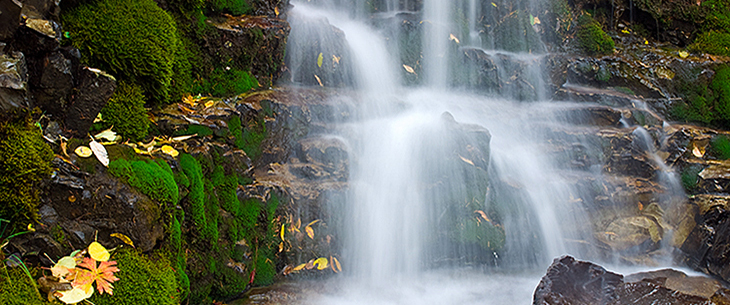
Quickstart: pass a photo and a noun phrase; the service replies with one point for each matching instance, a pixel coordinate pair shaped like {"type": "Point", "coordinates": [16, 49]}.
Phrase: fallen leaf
{"type": "Point", "coordinates": [123, 238]}
{"type": "Point", "coordinates": [183, 138]}
{"type": "Point", "coordinates": [103, 275]}
{"type": "Point", "coordinates": [108, 135]}
{"type": "Point", "coordinates": [63, 266]}
{"type": "Point", "coordinates": [310, 232]}
{"type": "Point", "coordinates": [276, 11]}
{"type": "Point", "coordinates": [309, 265]}
{"type": "Point", "coordinates": [466, 160]}
{"type": "Point", "coordinates": [321, 263]}
{"type": "Point", "coordinates": [188, 99]}
{"type": "Point", "coordinates": [494, 4]}
{"type": "Point", "coordinates": [336, 264]}
{"type": "Point", "coordinates": [282, 231]}
{"type": "Point", "coordinates": [409, 69]}
{"type": "Point", "coordinates": [98, 252]}
{"type": "Point", "coordinates": [75, 295]}
{"type": "Point", "coordinates": [167, 149]}
{"type": "Point", "coordinates": [318, 80]}
{"type": "Point", "coordinates": [483, 215]}
{"type": "Point", "coordinates": [300, 267]}
{"type": "Point", "coordinates": [208, 104]}
{"type": "Point", "coordinates": [83, 151]}
{"type": "Point", "coordinates": [683, 54]}
{"type": "Point", "coordinates": [536, 20]}
{"type": "Point", "coordinates": [452, 37]}
{"type": "Point", "coordinates": [320, 59]}
{"type": "Point", "coordinates": [335, 59]}
{"type": "Point", "coordinates": [99, 152]}
{"type": "Point", "coordinates": [697, 152]}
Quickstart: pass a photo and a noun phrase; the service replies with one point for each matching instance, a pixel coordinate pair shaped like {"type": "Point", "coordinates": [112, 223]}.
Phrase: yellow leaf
{"type": "Point", "coordinates": [321, 263]}
{"type": "Point", "coordinates": [183, 138]}
{"type": "Point", "coordinates": [188, 99]}
{"type": "Point", "coordinates": [452, 37]}
{"type": "Point", "coordinates": [75, 295]}
{"type": "Point", "coordinates": [409, 69]}
{"type": "Point", "coordinates": [494, 4]}
{"type": "Point", "coordinates": [123, 238]}
{"type": "Point", "coordinates": [313, 222]}
{"type": "Point", "coordinates": [61, 268]}
{"type": "Point", "coordinates": [299, 268]}
{"type": "Point", "coordinates": [483, 215]}
{"type": "Point", "coordinates": [466, 160]}
{"type": "Point", "coordinates": [98, 252]}
{"type": "Point", "coordinates": [336, 264]}
{"type": "Point", "coordinates": [683, 54]}
{"type": "Point", "coordinates": [310, 232]}
{"type": "Point", "coordinates": [697, 152]}
{"type": "Point", "coordinates": [167, 149]}
{"type": "Point", "coordinates": [320, 59]}
{"type": "Point", "coordinates": [276, 11]}
{"type": "Point", "coordinates": [83, 151]}
{"type": "Point", "coordinates": [335, 59]}
{"type": "Point", "coordinates": [536, 20]}
{"type": "Point", "coordinates": [282, 231]}
{"type": "Point", "coordinates": [646, 41]}
{"type": "Point", "coordinates": [208, 104]}
{"type": "Point", "coordinates": [281, 246]}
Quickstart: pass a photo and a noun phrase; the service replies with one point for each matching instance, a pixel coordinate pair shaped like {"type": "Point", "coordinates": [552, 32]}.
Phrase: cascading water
{"type": "Point", "coordinates": [441, 179]}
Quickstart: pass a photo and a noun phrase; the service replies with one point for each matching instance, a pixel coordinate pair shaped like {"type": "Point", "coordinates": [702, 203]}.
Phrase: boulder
{"type": "Point", "coordinates": [94, 89]}
{"type": "Point", "coordinates": [41, 9]}
{"type": "Point", "coordinates": [13, 80]}
{"type": "Point", "coordinates": [10, 21]}
{"type": "Point", "coordinates": [569, 281]}
{"type": "Point", "coordinates": [707, 248]}
{"type": "Point", "coordinates": [40, 37]}
{"type": "Point", "coordinates": [503, 73]}
{"type": "Point", "coordinates": [53, 88]}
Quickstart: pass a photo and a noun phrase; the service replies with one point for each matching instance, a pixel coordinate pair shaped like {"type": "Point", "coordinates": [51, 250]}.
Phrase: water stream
{"type": "Point", "coordinates": [395, 250]}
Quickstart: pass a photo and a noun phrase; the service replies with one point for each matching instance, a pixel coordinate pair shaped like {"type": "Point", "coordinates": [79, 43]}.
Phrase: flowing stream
{"type": "Point", "coordinates": [395, 251]}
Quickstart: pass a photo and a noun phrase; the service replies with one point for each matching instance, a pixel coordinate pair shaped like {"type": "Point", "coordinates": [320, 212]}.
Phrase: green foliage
{"type": "Point", "coordinates": [223, 82]}
{"type": "Point", "coordinates": [706, 103]}
{"type": "Point", "coordinates": [58, 234]}
{"type": "Point", "coordinates": [721, 89]}
{"type": "Point", "coordinates": [720, 147]}
{"type": "Point", "coordinates": [200, 130]}
{"type": "Point", "coordinates": [133, 39]}
{"type": "Point", "coordinates": [196, 198]}
{"type": "Point", "coordinates": [227, 195]}
{"type": "Point", "coordinates": [142, 280]}
{"type": "Point", "coordinates": [250, 210]}
{"type": "Point", "coordinates": [148, 177]}
{"type": "Point", "coordinates": [16, 288]}
{"type": "Point", "coordinates": [264, 266]}
{"type": "Point", "coordinates": [125, 111]}
{"type": "Point", "coordinates": [248, 138]}
{"type": "Point", "coordinates": [713, 42]}
{"type": "Point", "coordinates": [591, 37]}
{"type": "Point", "coordinates": [690, 177]}
{"type": "Point", "coordinates": [25, 160]}
{"type": "Point", "coordinates": [715, 36]}
{"type": "Point", "coordinates": [235, 7]}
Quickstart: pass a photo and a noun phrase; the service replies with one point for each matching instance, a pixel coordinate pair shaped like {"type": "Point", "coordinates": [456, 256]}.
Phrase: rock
{"type": "Point", "coordinates": [13, 81]}
{"type": "Point", "coordinates": [577, 282]}
{"type": "Point", "coordinates": [638, 233]}
{"type": "Point", "coordinates": [251, 40]}
{"type": "Point", "coordinates": [93, 92]}
{"type": "Point", "coordinates": [41, 9]}
{"type": "Point", "coordinates": [40, 37]}
{"type": "Point", "coordinates": [54, 86]}
{"type": "Point", "coordinates": [10, 21]}
{"type": "Point", "coordinates": [309, 39]}
{"type": "Point", "coordinates": [504, 74]}
{"type": "Point", "coordinates": [707, 246]}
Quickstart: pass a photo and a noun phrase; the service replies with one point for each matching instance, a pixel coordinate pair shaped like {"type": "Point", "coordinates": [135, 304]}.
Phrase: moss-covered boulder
{"type": "Point", "coordinates": [591, 38]}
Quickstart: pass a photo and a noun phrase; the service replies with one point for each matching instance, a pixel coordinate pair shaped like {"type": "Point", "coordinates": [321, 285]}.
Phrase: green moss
{"type": "Point", "coordinates": [250, 210]}
{"type": "Point", "coordinates": [200, 130]}
{"type": "Point", "coordinates": [720, 147]}
{"type": "Point", "coordinates": [591, 37]}
{"type": "Point", "coordinates": [713, 42]}
{"type": "Point", "coordinates": [150, 178]}
{"type": "Point", "coordinates": [264, 266]}
{"type": "Point", "coordinates": [235, 7]}
{"type": "Point", "coordinates": [706, 103]}
{"type": "Point", "coordinates": [690, 177]}
{"type": "Point", "coordinates": [133, 39]}
{"type": "Point", "coordinates": [226, 82]}
{"type": "Point", "coordinates": [58, 234]}
{"type": "Point", "coordinates": [16, 288]}
{"type": "Point", "coordinates": [196, 198]}
{"type": "Point", "coordinates": [125, 111]}
{"type": "Point", "coordinates": [480, 233]}
{"type": "Point", "coordinates": [248, 138]}
{"type": "Point", "coordinates": [142, 280]}
{"type": "Point", "coordinates": [25, 160]}
{"type": "Point", "coordinates": [227, 195]}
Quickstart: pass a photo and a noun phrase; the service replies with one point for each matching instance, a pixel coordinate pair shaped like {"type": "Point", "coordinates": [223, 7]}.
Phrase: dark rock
{"type": "Point", "coordinates": [13, 81]}
{"type": "Point", "coordinates": [504, 74]}
{"type": "Point", "coordinates": [252, 40]}
{"type": "Point", "coordinates": [93, 92]}
{"type": "Point", "coordinates": [40, 37]}
{"type": "Point", "coordinates": [309, 39]}
{"type": "Point", "coordinates": [707, 248]}
{"type": "Point", "coordinates": [54, 86]}
{"type": "Point", "coordinates": [576, 282]}
{"type": "Point", "coordinates": [10, 21]}
{"type": "Point", "coordinates": [41, 9]}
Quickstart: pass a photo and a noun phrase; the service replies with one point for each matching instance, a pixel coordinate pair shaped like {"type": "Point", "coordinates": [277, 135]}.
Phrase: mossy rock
{"type": "Point", "coordinates": [25, 160]}
{"type": "Point", "coordinates": [142, 280]}
{"type": "Point", "coordinates": [591, 37]}
{"type": "Point", "coordinates": [126, 113]}
{"type": "Point", "coordinates": [132, 39]}
{"type": "Point", "coordinates": [154, 179]}
{"type": "Point", "coordinates": [16, 288]}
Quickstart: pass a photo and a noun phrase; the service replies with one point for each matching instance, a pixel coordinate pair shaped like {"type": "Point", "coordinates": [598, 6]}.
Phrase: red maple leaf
{"type": "Point", "coordinates": [103, 275]}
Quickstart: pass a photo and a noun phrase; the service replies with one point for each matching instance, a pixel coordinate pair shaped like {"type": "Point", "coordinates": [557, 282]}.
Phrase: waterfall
{"type": "Point", "coordinates": [442, 175]}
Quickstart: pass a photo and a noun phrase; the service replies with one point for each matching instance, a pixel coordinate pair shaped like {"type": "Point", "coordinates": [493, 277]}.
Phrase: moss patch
{"type": "Point", "coordinates": [226, 82]}
{"type": "Point", "coordinates": [17, 289]}
{"type": "Point", "coordinates": [25, 160]}
{"type": "Point", "coordinates": [125, 111]}
{"type": "Point", "coordinates": [133, 39]}
{"type": "Point", "coordinates": [154, 179]}
{"type": "Point", "coordinates": [591, 37]}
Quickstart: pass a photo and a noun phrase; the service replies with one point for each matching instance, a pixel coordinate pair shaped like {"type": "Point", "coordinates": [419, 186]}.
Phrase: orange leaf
{"type": "Point", "coordinates": [103, 275]}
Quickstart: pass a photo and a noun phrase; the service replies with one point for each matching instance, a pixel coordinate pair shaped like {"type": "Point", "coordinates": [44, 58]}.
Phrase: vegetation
{"type": "Point", "coordinates": [126, 113]}
{"type": "Point", "coordinates": [591, 37]}
{"type": "Point", "coordinates": [133, 39]}
{"type": "Point", "coordinates": [235, 7]}
{"type": "Point", "coordinates": [223, 82]}
{"type": "Point", "coordinates": [690, 177]}
{"type": "Point", "coordinates": [142, 280]}
{"type": "Point", "coordinates": [706, 103]}
{"type": "Point", "coordinates": [248, 138]}
{"type": "Point", "coordinates": [715, 38]}
{"type": "Point", "coordinates": [25, 160]}
{"type": "Point", "coordinates": [153, 179]}
{"type": "Point", "coordinates": [16, 288]}
{"type": "Point", "coordinates": [720, 147]}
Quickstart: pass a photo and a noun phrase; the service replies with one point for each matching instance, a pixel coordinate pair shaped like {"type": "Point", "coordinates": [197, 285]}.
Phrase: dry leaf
{"type": "Point", "coordinates": [75, 295]}
{"type": "Point", "coordinates": [335, 59]}
{"type": "Point", "coordinates": [108, 135]}
{"type": "Point", "coordinates": [63, 266]}
{"type": "Point", "coordinates": [452, 37]}
{"type": "Point", "coordinates": [318, 80]}
{"type": "Point", "coordinates": [276, 11]}
{"type": "Point", "coordinates": [167, 149]}
{"type": "Point", "coordinates": [208, 104]}
{"type": "Point", "coordinates": [300, 267]}
{"type": "Point", "coordinates": [310, 232]}
{"type": "Point", "coordinates": [321, 263]}
{"type": "Point", "coordinates": [123, 238]}
{"type": "Point", "coordinates": [183, 138]}
{"type": "Point", "coordinates": [83, 151]}
{"type": "Point", "coordinates": [483, 215]}
{"type": "Point", "coordinates": [309, 265]}
{"type": "Point", "coordinates": [336, 264]}
{"type": "Point", "coordinates": [467, 161]}
{"type": "Point", "coordinates": [409, 69]}
{"type": "Point", "coordinates": [103, 275]}
{"type": "Point", "coordinates": [99, 152]}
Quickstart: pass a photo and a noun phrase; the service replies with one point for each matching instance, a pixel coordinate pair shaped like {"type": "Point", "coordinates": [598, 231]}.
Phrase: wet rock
{"type": "Point", "coordinates": [55, 84]}
{"type": "Point", "coordinates": [41, 9]}
{"type": "Point", "coordinates": [707, 246]}
{"type": "Point", "coordinates": [10, 21]}
{"type": "Point", "coordinates": [577, 282]}
{"type": "Point", "coordinates": [614, 72]}
{"type": "Point", "coordinates": [309, 39]}
{"type": "Point", "coordinates": [252, 40]}
{"type": "Point", "coordinates": [40, 37]}
{"type": "Point", "coordinates": [93, 92]}
{"type": "Point", "coordinates": [13, 81]}
{"type": "Point", "coordinates": [502, 73]}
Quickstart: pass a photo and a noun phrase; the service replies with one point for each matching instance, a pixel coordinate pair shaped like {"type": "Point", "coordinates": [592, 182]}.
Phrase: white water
{"type": "Point", "coordinates": [390, 225]}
